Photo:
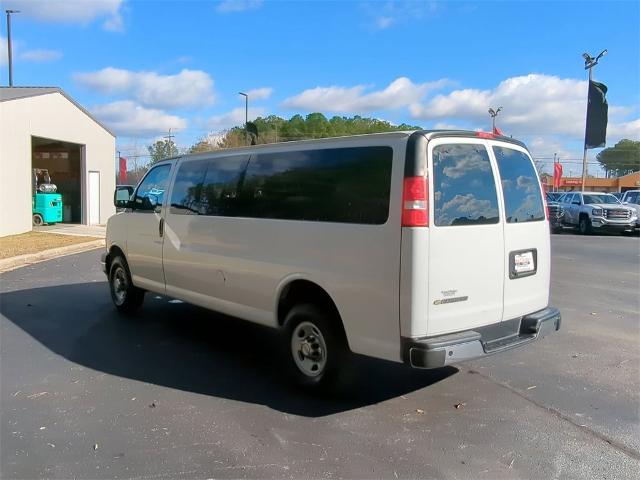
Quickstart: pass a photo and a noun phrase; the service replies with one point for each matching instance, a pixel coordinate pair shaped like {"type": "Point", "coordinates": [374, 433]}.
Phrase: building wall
{"type": "Point", "coordinates": [49, 116]}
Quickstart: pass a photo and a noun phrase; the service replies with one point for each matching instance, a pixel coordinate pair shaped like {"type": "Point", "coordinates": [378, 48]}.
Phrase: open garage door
{"type": "Point", "coordinates": [64, 162]}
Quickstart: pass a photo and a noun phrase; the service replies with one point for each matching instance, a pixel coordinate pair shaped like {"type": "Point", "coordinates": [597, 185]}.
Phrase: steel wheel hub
{"type": "Point", "coordinates": [309, 349]}
{"type": "Point", "coordinates": [120, 285]}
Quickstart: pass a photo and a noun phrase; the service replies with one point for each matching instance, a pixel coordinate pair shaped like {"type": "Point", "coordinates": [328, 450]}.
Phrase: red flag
{"type": "Point", "coordinates": [557, 174]}
{"type": "Point", "coordinates": [497, 131]}
{"type": "Point", "coordinates": [122, 171]}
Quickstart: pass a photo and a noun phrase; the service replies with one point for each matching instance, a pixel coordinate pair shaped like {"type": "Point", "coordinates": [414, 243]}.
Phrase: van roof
{"type": "Point", "coordinates": [429, 134]}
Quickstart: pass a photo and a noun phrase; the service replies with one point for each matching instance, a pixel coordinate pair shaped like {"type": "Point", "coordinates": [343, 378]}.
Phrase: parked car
{"type": "Point", "coordinates": [556, 212]}
{"type": "Point", "coordinates": [427, 248]}
{"type": "Point", "coordinates": [589, 211]}
{"type": "Point", "coordinates": [631, 198]}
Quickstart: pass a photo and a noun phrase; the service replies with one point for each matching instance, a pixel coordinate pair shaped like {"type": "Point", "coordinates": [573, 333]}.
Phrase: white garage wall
{"type": "Point", "coordinates": [50, 116]}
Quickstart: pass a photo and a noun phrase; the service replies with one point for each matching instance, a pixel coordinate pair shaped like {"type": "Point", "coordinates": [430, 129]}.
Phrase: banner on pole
{"type": "Point", "coordinates": [557, 174]}
{"type": "Point", "coordinates": [597, 116]}
{"type": "Point", "coordinates": [122, 171]}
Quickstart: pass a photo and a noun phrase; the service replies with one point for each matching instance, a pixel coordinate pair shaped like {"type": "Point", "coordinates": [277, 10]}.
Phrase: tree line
{"type": "Point", "coordinates": [274, 129]}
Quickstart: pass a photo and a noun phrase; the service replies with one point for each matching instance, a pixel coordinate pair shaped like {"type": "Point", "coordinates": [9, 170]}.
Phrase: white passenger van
{"type": "Point", "coordinates": [428, 247]}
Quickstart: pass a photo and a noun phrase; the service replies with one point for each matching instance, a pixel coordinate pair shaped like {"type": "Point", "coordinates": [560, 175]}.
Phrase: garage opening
{"type": "Point", "coordinates": [64, 162]}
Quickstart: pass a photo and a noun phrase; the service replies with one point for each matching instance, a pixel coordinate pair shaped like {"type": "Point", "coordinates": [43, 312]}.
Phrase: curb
{"type": "Point", "coordinates": [12, 263]}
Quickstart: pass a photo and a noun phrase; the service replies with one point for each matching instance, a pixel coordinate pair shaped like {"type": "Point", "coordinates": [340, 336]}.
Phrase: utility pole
{"type": "Point", "coordinates": [10, 55]}
{"type": "Point", "coordinates": [554, 172]}
{"type": "Point", "coordinates": [169, 141]}
{"type": "Point", "coordinates": [246, 115]}
{"type": "Point", "coordinates": [589, 63]}
{"type": "Point", "coordinates": [494, 113]}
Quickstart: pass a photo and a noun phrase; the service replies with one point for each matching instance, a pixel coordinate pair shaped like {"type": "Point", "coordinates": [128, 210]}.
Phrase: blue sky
{"type": "Point", "coordinates": [143, 67]}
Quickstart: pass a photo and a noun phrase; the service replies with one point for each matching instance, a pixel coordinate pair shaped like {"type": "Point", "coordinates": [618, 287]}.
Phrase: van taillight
{"type": "Point", "coordinates": [415, 204]}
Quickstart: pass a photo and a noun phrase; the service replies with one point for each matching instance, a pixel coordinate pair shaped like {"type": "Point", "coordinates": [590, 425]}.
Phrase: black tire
{"type": "Point", "coordinates": [125, 296]}
{"type": "Point", "coordinates": [306, 324]}
{"type": "Point", "coordinates": [556, 229]}
{"type": "Point", "coordinates": [38, 221]}
{"type": "Point", "coordinates": [584, 225]}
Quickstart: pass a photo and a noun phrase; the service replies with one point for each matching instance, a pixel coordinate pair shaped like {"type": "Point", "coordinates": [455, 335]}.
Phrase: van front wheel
{"type": "Point", "coordinates": [317, 348]}
{"type": "Point", "coordinates": [126, 297]}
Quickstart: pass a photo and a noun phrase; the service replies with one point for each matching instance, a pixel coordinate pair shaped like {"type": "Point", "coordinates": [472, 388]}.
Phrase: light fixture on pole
{"type": "Point", "coordinates": [589, 63]}
{"type": "Point", "coordinates": [246, 116]}
{"type": "Point", "coordinates": [9, 53]}
{"type": "Point", "coordinates": [494, 114]}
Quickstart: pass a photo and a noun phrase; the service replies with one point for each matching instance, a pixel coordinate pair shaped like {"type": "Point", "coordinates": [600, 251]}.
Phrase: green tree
{"type": "Point", "coordinates": [621, 159]}
{"type": "Point", "coordinates": [202, 145]}
{"type": "Point", "coordinates": [162, 149]}
{"type": "Point", "coordinates": [273, 129]}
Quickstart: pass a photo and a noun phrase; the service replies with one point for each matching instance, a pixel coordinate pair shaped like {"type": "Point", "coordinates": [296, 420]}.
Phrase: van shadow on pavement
{"type": "Point", "coordinates": [188, 348]}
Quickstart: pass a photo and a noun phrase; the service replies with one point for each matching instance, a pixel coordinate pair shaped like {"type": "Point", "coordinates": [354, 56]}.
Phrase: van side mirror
{"type": "Point", "coordinates": [122, 196]}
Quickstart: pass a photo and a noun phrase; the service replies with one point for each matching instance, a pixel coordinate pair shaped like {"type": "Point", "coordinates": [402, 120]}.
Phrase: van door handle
{"type": "Point", "coordinates": [161, 227]}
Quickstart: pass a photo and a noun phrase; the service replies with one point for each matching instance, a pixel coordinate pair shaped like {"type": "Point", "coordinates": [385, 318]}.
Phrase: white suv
{"type": "Point", "coordinates": [427, 248]}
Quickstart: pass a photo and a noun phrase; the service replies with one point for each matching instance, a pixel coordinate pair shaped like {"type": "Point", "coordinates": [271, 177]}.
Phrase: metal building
{"type": "Point", "coordinates": [43, 127]}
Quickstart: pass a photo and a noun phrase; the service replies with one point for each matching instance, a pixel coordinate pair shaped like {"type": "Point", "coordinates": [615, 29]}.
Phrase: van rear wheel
{"type": "Point", "coordinates": [317, 348]}
{"type": "Point", "coordinates": [125, 296]}
{"type": "Point", "coordinates": [38, 220]}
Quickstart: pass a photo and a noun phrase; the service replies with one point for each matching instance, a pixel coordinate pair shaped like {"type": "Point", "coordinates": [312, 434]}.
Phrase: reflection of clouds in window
{"type": "Point", "coordinates": [526, 183]}
{"type": "Point", "coordinates": [507, 184]}
{"type": "Point", "coordinates": [466, 160]}
{"type": "Point", "coordinates": [437, 195]}
{"type": "Point", "coordinates": [470, 206]}
{"type": "Point", "coordinates": [528, 210]}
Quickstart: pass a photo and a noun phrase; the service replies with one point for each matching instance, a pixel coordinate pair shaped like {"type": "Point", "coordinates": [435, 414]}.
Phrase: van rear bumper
{"type": "Point", "coordinates": [435, 352]}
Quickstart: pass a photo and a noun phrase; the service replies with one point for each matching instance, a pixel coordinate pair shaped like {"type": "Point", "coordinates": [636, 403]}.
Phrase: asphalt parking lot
{"type": "Point", "coordinates": [180, 393]}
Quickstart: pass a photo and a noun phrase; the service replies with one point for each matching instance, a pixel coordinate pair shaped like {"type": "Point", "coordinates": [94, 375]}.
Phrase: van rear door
{"type": "Point", "coordinates": [526, 232]}
{"type": "Point", "coordinates": [466, 237]}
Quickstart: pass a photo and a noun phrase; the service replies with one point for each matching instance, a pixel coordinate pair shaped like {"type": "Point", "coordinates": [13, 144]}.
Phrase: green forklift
{"type": "Point", "coordinates": [46, 203]}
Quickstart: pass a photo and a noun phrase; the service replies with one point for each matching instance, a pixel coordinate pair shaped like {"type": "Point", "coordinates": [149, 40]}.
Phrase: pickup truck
{"type": "Point", "coordinates": [631, 198]}
{"type": "Point", "coordinates": [590, 211]}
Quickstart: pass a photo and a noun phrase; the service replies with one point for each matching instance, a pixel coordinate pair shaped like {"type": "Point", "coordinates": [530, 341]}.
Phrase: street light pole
{"type": "Point", "coordinates": [589, 63]}
{"type": "Point", "coordinates": [246, 116]}
{"type": "Point", "coordinates": [10, 56]}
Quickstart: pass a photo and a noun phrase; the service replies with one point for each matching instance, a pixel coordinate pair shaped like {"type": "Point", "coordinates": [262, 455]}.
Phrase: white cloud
{"type": "Point", "coordinates": [533, 105]}
{"type": "Point", "coordinates": [385, 15]}
{"type": "Point", "coordinates": [233, 118]}
{"type": "Point", "coordinates": [41, 55]}
{"type": "Point", "coordinates": [259, 93]}
{"type": "Point", "coordinates": [71, 11]}
{"type": "Point", "coordinates": [399, 93]}
{"type": "Point", "coordinates": [35, 55]}
{"type": "Point", "coordinates": [229, 6]}
{"type": "Point", "coordinates": [189, 88]}
{"type": "Point", "coordinates": [126, 118]}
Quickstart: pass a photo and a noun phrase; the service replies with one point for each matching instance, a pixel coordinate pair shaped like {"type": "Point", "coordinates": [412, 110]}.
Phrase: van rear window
{"type": "Point", "coordinates": [344, 185]}
{"type": "Point", "coordinates": [464, 186]}
{"type": "Point", "coordinates": [522, 197]}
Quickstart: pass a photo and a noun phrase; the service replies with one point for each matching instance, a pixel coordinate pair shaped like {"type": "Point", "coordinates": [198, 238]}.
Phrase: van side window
{"type": "Point", "coordinates": [522, 197]}
{"type": "Point", "coordinates": [220, 190]}
{"type": "Point", "coordinates": [187, 188]}
{"type": "Point", "coordinates": [154, 184]}
{"type": "Point", "coordinates": [347, 185]}
{"type": "Point", "coordinates": [464, 186]}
